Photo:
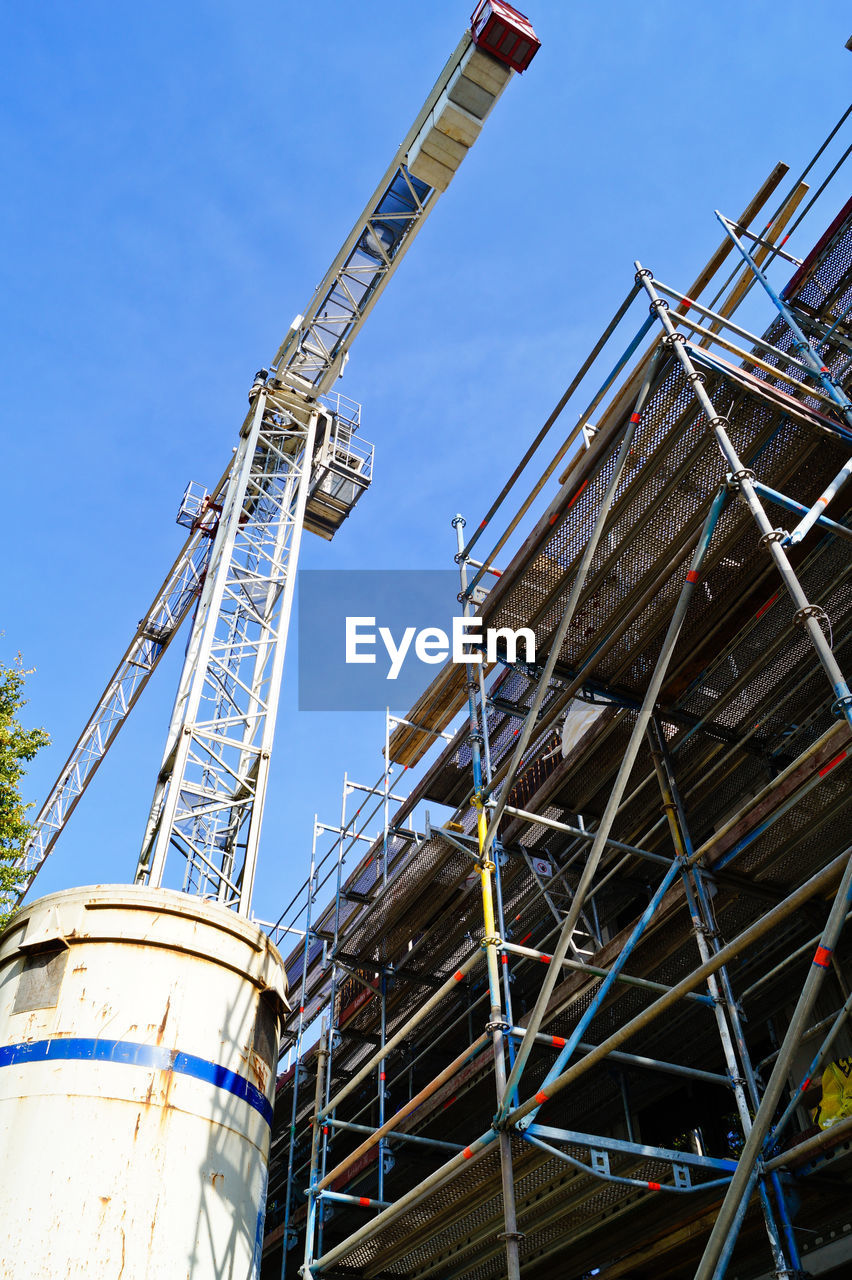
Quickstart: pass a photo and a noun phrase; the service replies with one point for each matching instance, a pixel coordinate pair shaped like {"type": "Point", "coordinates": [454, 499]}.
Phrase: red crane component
{"type": "Point", "coordinates": [504, 33]}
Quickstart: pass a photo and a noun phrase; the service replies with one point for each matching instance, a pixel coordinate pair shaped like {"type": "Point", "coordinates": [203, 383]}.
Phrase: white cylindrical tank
{"type": "Point", "coordinates": [138, 1049]}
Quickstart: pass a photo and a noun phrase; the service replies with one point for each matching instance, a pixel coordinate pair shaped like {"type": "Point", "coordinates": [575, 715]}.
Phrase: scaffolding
{"type": "Point", "coordinates": [578, 1026]}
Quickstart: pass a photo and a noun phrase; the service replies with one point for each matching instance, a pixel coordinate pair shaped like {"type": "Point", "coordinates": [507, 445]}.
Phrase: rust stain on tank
{"type": "Point", "coordinates": [260, 1070]}
{"type": "Point", "coordinates": [165, 1106]}
{"type": "Point", "coordinates": [162, 1027]}
{"type": "Point", "coordinates": [138, 1122]}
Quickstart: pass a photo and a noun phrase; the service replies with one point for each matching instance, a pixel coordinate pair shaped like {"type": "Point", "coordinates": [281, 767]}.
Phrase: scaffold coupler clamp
{"type": "Point", "coordinates": [498, 1024]}
{"type": "Point", "coordinates": [774, 535]}
{"type": "Point", "coordinates": [807, 611]}
{"type": "Point", "coordinates": [734, 479]}
{"type": "Point", "coordinates": [644, 273]}
{"type": "Point", "coordinates": [841, 705]}
{"type": "Point", "coordinates": [512, 1235]}
{"type": "Point", "coordinates": [671, 338]}
{"type": "Point", "coordinates": [658, 305]}
{"type": "Point", "coordinates": [491, 940]}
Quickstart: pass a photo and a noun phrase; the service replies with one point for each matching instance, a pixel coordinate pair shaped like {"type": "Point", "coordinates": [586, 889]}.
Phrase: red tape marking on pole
{"type": "Point", "coordinates": [467, 1153]}
{"type": "Point", "coordinates": [576, 495]}
{"type": "Point", "coordinates": [365, 1200]}
{"type": "Point", "coordinates": [654, 1186]}
{"type": "Point", "coordinates": [634, 417]}
{"type": "Point", "coordinates": [762, 610]}
{"type": "Point", "coordinates": [692, 575]}
{"type": "Point", "coordinates": [827, 768]}
{"type": "Point", "coordinates": [541, 1098]}
{"type": "Point", "coordinates": [823, 957]}
{"type": "Point", "coordinates": [558, 1042]}
{"type": "Point", "coordinates": [458, 976]}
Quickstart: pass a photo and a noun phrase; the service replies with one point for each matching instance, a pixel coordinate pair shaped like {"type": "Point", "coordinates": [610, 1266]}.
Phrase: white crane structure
{"type": "Point", "coordinates": [299, 464]}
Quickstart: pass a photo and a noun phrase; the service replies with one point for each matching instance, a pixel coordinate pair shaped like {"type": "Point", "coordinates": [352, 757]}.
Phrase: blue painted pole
{"type": "Point", "coordinates": [727, 1015]}
{"type": "Point", "coordinates": [814, 1066]}
{"type": "Point", "coordinates": [606, 986]}
{"type": "Point", "coordinates": [790, 504]}
{"type": "Point", "coordinates": [749, 1162]}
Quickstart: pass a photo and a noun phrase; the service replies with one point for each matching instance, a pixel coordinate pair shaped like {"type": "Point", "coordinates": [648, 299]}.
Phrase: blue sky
{"type": "Point", "coordinates": [178, 177]}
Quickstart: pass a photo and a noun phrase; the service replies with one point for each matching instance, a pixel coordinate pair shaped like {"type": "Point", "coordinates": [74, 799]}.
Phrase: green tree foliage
{"type": "Point", "coordinates": [17, 747]}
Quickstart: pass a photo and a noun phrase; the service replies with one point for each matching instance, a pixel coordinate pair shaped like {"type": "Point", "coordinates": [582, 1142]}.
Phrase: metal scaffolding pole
{"type": "Point", "coordinates": [741, 477]}
{"type": "Point", "coordinates": [748, 1168]}
{"type": "Point", "coordinates": [288, 1195]}
{"type": "Point", "coordinates": [818, 369]}
{"type": "Point", "coordinates": [497, 1021]}
{"type": "Point", "coordinates": [322, 1059]}
{"type": "Point", "coordinates": [618, 789]}
{"type": "Point", "coordinates": [818, 883]}
{"type": "Point", "coordinates": [571, 607]}
{"type": "Point", "coordinates": [727, 1018]}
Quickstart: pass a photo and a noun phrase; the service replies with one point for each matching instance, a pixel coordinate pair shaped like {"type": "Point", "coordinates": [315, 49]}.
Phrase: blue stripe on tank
{"type": "Point", "coordinates": [137, 1055]}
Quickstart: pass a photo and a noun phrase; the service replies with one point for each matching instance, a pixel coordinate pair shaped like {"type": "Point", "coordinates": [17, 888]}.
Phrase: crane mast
{"type": "Point", "coordinates": [299, 464]}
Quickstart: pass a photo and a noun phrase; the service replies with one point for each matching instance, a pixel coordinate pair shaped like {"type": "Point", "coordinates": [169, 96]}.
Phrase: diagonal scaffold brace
{"type": "Point", "coordinates": [742, 478]}
{"type": "Point", "coordinates": [723, 1236]}
{"type": "Point", "coordinates": [602, 832]}
{"type": "Point", "coordinates": [817, 367]}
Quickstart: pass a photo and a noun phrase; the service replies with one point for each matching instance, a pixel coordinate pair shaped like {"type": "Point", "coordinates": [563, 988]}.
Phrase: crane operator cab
{"type": "Point", "coordinates": [343, 466]}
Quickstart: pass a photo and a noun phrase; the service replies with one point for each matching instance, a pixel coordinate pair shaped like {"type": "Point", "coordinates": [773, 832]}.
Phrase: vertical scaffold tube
{"type": "Point", "coordinates": [288, 1194]}
{"type": "Point", "coordinates": [322, 1055]}
{"type": "Point", "coordinates": [498, 1025]}
{"type": "Point", "coordinates": [615, 798]}
{"type": "Point", "coordinates": [727, 1017]}
{"type": "Point", "coordinates": [806, 614]}
{"type": "Point", "coordinates": [817, 367]}
{"type": "Point", "coordinates": [747, 1165]}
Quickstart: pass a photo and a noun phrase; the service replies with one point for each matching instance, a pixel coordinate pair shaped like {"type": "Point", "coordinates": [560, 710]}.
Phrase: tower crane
{"type": "Point", "coordinates": [300, 464]}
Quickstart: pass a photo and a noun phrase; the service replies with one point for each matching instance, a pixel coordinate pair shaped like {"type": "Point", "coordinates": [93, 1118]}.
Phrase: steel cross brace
{"type": "Point", "coordinates": [817, 368]}
{"type": "Point", "coordinates": [637, 736]}
{"type": "Point", "coordinates": [622, 1146]}
{"type": "Point", "coordinates": [723, 1236]}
